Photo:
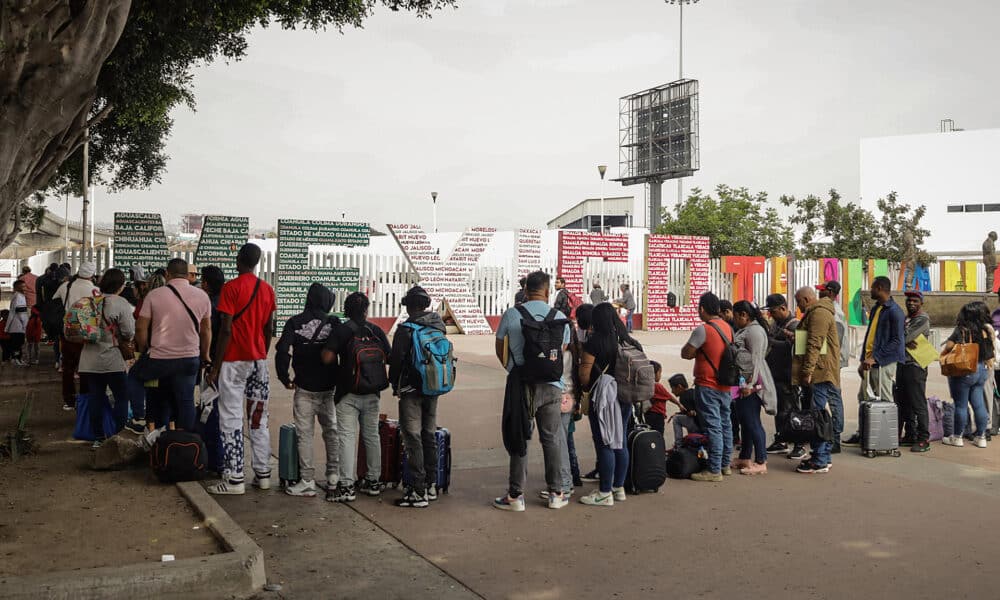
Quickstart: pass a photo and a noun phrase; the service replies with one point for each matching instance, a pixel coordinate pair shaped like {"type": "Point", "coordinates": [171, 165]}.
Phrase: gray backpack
{"type": "Point", "coordinates": [634, 374]}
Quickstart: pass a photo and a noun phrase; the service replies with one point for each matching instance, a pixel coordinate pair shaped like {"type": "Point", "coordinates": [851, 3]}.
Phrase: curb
{"type": "Point", "coordinates": [237, 573]}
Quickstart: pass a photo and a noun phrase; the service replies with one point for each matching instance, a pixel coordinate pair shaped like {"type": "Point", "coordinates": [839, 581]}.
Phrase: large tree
{"type": "Point", "coordinates": [739, 223]}
{"type": "Point", "coordinates": [116, 68]}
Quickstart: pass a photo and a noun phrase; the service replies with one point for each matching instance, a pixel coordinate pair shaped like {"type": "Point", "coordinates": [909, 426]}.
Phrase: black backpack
{"type": "Point", "coordinates": [367, 361]}
{"type": "Point", "coordinates": [178, 456]}
{"type": "Point", "coordinates": [684, 462]}
{"type": "Point", "coordinates": [543, 341]}
{"type": "Point", "coordinates": [727, 372]}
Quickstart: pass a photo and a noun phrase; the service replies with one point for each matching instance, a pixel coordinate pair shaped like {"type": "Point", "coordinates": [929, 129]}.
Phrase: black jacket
{"type": "Point", "coordinates": [402, 376]}
{"type": "Point", "coordinates": [339, 342]}
{"type": "Point", "coordinates": [515, 422]}
{"type": "Point", "coordinates": [779, 354]}
{"type": "Point", "coordinates": [301, 337]}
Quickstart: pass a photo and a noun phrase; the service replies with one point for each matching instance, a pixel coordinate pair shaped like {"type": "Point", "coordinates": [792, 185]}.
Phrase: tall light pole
{"type": "Point", "coordinates": [680, 70]}
{"type": "Point", "coordinates": [66, 228]}
{"type": "Point", "coordinates": [86, 195]}
{"type": "Point", "coordinates": [602, 169]}
{"type": "Point", "coordinates": [434, 209]}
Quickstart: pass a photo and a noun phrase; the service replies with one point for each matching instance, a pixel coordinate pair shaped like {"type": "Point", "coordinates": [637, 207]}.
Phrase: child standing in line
{"type": "Point", "coordinates": [656, 416]}
{"type": "Point", "coordinates": [33, 337]}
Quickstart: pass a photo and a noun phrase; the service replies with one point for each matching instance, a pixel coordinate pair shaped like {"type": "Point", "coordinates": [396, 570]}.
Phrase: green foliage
{"type": "Point", "coordinates": [828, 228]}
{"type": "Point", "coordinates": [149, 73]}
{"type": "Point", "coordinates": [739, 223]}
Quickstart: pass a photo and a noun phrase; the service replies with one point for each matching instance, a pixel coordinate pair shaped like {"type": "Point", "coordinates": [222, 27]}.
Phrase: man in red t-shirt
{"type": "Point", "coordinates": [239, 369]}
{"type": "Point", "coordinates": [706, 346]}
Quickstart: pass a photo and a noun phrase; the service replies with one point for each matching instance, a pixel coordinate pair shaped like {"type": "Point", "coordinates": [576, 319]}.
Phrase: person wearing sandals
{"type": "Point", "coordinates": [600, 354]}
{"type": "Point", "coordinates": [756, 389]}
{"type": "Point", "coordinates": [970, 327]}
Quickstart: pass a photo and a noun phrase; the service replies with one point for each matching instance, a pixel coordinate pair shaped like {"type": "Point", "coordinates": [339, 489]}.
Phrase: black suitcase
{"type": "Point", "coordinates": [647, 469]}
{"type": "Point", "coordinates": [683, 462]}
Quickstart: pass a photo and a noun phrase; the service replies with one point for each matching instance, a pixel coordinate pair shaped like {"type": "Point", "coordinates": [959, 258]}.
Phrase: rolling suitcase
{"type": "Point", "coordinates": [288, 455]}
{"type": "Point", "coordinates": [443, 479]}
{"type": "Point", "coordinates": [647, 467]}
{"type": "Point", "coordinates": [879, 427]}
{"type": "Point", "coordinates": [389, 442]}
{"type": "Point", "coordinates": [206, 425]}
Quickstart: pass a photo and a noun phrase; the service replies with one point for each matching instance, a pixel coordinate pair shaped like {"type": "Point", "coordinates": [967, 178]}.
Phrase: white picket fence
{"type": "Point", "coordinates": [385, 278]}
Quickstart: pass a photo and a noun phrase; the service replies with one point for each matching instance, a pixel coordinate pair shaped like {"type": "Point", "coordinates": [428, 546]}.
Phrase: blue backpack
{"type": "Point", "coordinates": [433, 359]}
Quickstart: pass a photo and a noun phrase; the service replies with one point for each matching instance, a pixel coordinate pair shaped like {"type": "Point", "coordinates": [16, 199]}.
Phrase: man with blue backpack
{"type": "Point", "coordinates": [421, 368]}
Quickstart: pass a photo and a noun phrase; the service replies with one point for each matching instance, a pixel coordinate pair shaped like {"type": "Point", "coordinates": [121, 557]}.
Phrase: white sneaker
{"type": "Point", "coordinates": [598, 498]}
{"type": "Point", "coordinates": [505, 502]}
{"type": "Point", "coordinates": [955, 440]}
{"type": "Point", "coordinates": [304, 487]}
{"type": "Point", "coordinates": [17, 362]}
{"type": "Point", "coordinates": [262, 483]}
{"type": "Point", "coordinates": [558, 500]}
{"type": "Point", "coordinates": [619, 494]}
{"type": "Point", "coordinates": [980, 441]}
{"type": "Point", "coordinates": [225, 488]}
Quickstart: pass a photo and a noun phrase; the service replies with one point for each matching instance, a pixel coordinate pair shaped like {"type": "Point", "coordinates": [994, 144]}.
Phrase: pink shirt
{"type": "Point", "coordinates": [173, 333]}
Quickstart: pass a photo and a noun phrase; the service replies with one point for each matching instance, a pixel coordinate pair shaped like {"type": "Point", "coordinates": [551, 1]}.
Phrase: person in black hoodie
{"type": "Point", "coordinates": [781, 340]}
{"type": "Point", "coordinates": [417, 413]}
{"type": "Point", "coordinates": [305, 335]}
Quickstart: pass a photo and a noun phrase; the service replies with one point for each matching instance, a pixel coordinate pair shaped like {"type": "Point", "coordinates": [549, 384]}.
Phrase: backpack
{"type": "Point", "coordinates": [727, 373]}
{"type": "Point", "coordinates": [671, 300]}
{"type": "Point", "coordinates": [85, 322]}
{"type": "Point", "coordinates": [684, 462]}
{"type": "Point", "coordinates": [543, 341]}
{"type": "Point", "coordinates": [367, 360]}
{"type": "Point", "coordinates": [634, 374]}
{"type": "Point", "coordinates": [178, 456]}
{"type": "Point", "coordinates": [574, 303]}
{"type": "Point", "coordinates": [432, 358]}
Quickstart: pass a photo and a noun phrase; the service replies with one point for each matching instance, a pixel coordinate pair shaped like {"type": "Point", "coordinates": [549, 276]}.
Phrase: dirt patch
{"type": "Point", "coordinates": [57, 514]}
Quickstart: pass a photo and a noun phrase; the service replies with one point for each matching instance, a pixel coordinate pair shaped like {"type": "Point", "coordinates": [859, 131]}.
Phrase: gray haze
{"type": "Point", "coordinates": [505, 107]}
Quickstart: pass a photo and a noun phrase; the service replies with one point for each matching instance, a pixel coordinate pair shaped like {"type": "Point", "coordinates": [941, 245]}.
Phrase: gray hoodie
{"type": "Point", "coordinates": [751, 351]}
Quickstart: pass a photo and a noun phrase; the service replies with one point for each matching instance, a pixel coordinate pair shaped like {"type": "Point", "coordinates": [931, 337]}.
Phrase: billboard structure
{"type": "Point", "coordinates": [658, 138]}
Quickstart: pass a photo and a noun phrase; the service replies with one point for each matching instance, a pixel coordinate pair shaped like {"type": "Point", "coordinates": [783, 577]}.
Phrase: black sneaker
{"type": "Point", "coordinates": [854, 440]}
{"type": "Point", "coordinates": [344, 493]}
{"type": "Point", "coordinates": [797, 453]}
{"type": "Point", "coordinates": [592, 476]}
{"type": "Point", "coordinates": [411, 499]}
{"type": "Point", "coordinates": [835, 449]}
{"type": "Point", "coordinates": [431, 493]}
{"type": "Point", "coordinates": [777, 448]}
{"type": "Point", "coordinates": [920, 447]}
{"type": "Point", "coordinates": [811, 467]}
{"type": "Point", "coordinates": [371, 487]}
{"type": "Point", "coordinates": [136, 426]}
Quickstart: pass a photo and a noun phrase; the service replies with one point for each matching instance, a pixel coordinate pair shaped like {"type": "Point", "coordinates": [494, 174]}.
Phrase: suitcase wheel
{"type": "Point", "coordinates": [871, 454]}
{"type": "Point", "coordinates": [896, 453]}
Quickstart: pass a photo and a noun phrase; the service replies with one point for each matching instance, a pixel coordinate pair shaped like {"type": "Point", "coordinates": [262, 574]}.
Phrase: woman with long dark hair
{"type": "Point", "coordinates": [600, 353]}
{"type": "Point", "coordinates": [970, 326]}
{"type": "Point", "coordinates": [756, 387]}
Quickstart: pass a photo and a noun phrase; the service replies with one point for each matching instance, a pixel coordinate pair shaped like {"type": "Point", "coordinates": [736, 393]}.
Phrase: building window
{"type": "Point", "coordinates": [956, 208]}
{"type": "Point", "coordinates": [991, 207]}
{"type": "Point", "coordinates": [973, 208]}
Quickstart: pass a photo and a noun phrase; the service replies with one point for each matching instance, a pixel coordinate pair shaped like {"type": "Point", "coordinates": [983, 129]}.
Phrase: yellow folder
{"type": "Point", "coordinates": [802, 342]}
{"type": "Point", "coordinates": [924, 353]}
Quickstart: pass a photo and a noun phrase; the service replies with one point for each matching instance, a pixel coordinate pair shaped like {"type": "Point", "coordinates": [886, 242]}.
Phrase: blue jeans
{"type": "Point", "coordinates": [714, 408]}
{"type": "Point", "coordinates": [98, 384]}
{"type": "Point", "coordinates": [966, 390]}
{"type": "Point", "coordinates": [612, 465]}
{"type": "Point", "coordinates": [628, 321]}
{"type": "Point", "coordinates": [136, 396]}
{"type": "Point", "coordinates": [754, 437]}
{"type": "Point", "coordinates": [177, 380]}
{"type": "Point", "coordinates": [824, 394]}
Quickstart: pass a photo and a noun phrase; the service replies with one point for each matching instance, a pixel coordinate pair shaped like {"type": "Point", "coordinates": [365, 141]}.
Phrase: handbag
{"type": "Point", "coordinates": [962, 360]}
{"type": "Point", "coordinates": [806, 425]}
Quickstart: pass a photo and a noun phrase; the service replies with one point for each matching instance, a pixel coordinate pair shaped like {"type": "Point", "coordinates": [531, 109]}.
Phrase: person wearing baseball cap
{"type": "Point", "coordinates": [911, 380]}
{"type": "Point", "coordinates": [76, 288]}
{"type": "Point", "coordinates": [781, 338]}
{"type": "Point", "coordinates": [417, 412]}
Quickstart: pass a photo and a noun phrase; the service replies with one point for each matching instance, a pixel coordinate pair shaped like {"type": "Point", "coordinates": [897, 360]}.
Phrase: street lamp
{"type": "Point", "coordinates": [602, 169]}
{"type": "Point", "coordinates": [680, 71]}
{"type": "Point", "coordinates": [434, 201]}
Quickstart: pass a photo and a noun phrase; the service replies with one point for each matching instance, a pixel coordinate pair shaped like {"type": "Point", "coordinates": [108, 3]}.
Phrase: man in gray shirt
{"type": "Point", "coordinates": [627, 301]}
{"type": "Point", "coordinates": [598, 295]}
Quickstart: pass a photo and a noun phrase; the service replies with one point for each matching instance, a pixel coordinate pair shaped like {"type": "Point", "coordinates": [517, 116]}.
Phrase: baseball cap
{"type": "Point", "coordinates": [774, 301]}
{"type": "Point", "coordinates": [914, 294]}
{"type": "Point", "coordinates": [415, 292]}
{"type": "Point", "coordinates": [831, 286]}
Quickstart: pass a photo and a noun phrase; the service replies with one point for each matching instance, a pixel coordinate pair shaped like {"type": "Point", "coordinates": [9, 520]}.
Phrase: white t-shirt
{"type": "Point", "coordinates": [78, 288]}
{"type": "Point", "coordinates": [17, 322]}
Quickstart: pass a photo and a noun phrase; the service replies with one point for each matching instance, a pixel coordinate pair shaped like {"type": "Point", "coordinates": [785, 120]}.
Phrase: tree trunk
{"type": "Point", "coordinates": [51, 52]}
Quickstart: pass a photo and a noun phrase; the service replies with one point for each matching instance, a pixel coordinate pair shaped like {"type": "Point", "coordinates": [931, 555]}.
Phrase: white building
{"type": "Point", "coordinates": [954, 174]}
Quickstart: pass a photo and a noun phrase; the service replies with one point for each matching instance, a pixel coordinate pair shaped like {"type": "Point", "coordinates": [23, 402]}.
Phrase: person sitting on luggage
{"type": "Point", "coordinates": [361, 349]}
{"type": "Point", "coordinates": [417, 412]}
{"type": "Point", "coordinates": [304, 336]}
{"type": "Point", "coordinates": [657, 414]}
{"type": "Point", "coordinates": [685, 399]}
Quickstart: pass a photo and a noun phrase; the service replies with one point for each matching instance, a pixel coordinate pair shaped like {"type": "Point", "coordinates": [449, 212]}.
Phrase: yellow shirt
{"type": "Point", "coordinates": [870, 340]}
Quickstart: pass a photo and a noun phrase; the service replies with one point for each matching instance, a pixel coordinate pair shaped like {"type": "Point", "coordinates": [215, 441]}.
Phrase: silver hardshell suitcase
{"type": "Point", "coordinates": [879, 427]}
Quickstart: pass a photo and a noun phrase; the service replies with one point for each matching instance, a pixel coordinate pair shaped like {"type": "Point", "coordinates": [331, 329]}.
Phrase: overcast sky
{"type": "Point", "coordinates": [506, 107]}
